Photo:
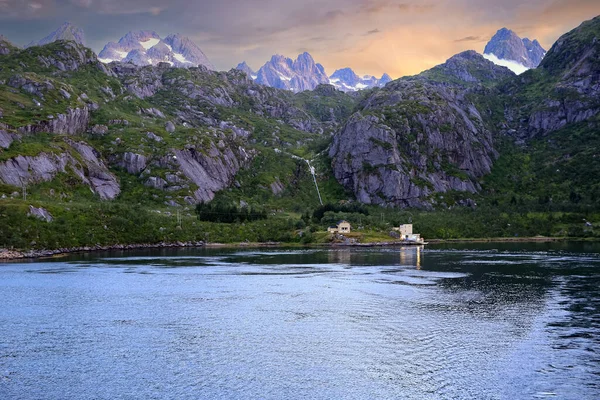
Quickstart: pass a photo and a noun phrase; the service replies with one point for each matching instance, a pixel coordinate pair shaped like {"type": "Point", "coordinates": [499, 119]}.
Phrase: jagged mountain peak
{"type": "Point", "coordinates": [506, 48]}
{"type": "Point", "coordinates": [66, 31]}
{"type": "Point", "coordinates": [148, 48]}
{"type": "Point", "coordinates": [296, 75]}
{"type": "Point", "coordinates": [243, 66]}
{"type": "Point", "coordinates": [347, 80]}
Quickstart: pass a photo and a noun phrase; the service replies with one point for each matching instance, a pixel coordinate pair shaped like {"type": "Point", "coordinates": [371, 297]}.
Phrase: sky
{"type": "Point", "coordinates": [400, 37]}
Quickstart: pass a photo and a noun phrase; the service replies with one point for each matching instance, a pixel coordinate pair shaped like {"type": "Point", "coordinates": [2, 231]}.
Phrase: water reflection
{"type": "Point", "coordinates": [411, 255]}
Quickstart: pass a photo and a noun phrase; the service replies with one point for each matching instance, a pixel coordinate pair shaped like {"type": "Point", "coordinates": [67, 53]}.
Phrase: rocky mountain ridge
{"type": "Point", "coordinates": [148, 48]}
{"type": "Point", "coordinates": [304, 74]}
{"type": "Point", "coordinates": [346, 80]}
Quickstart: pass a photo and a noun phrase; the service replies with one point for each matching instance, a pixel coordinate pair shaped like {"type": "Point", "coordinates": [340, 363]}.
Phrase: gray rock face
{"type": "Point", "coordinates": [296, 75]}
{"type": "Point", "coordinates": [6, 138]}
{"type": "Point", "coordinates": [25, 170]}
{"type": "Point", "coordinates": [133, 163]}
{"type": "Point", "coordinates": [506, 45]}
{"type": "Point", "coordinates": [99, 130]}
{"type": "Point", "coordinates": [40, 213]}
{"type": "Point", "coordinates": [156, 182]}
{"type": "Point", "coordinates": [413, 138]}
{"type": "Point", "coordinates": [170, 127]}
{"type": "Point", "coordinates": [141, 82]}
{"type": "Point", "coordinates": [213, 171]}
{"type": "Point", "coordinates": [102, 182]}
{"type": "Point", "coordinates": [153, 136]}
{"type": "Point", "coordinates": [74, 122]}
{"type": "Point", "coordinates": [66, 31]}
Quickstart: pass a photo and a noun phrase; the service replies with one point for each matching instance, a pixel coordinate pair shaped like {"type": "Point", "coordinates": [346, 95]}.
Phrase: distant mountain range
{"type": "Point", "coordinates": [509, 50]}
{"type": "Point", "coordinates": [304, 74]}
{"type": "Point", "coordinates": [148, 48]}
{"type": "Point", "coordinates": [347, 81]}
{"type": "Point", "coordinates": [141, 48]}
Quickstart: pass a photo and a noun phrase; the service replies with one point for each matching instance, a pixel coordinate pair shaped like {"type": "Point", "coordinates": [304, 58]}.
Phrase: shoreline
{"type": "Point", "coordinates": [12, 255]}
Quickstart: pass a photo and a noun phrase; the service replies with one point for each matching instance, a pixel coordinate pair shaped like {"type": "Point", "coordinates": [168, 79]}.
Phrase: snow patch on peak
{"type": "Point", "coordinates": [514, 66]}
{"type": "Point", "coordinates": [150, 43]}
{"type": "Point", "coordinates": [180, 57]}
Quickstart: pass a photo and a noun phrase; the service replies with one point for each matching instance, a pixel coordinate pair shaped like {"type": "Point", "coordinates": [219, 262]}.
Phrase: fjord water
{"type": "Point", "coordinates": [493, 321]}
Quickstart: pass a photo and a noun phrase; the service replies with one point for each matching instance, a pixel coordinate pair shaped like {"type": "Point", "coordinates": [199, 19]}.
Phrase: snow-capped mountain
{"type": "Point", "coordinates": [66, 31]}
{"type": "Point", "coordinates": [347, 81]}
{"type": "Point", "coordinates": [296, 75]}
{"type": "Point", "coordinates": [148, 48]}
{"type": "Point", "coordinates": [509, 50]}
{"type": "Point", "coordinates": [304, 74]}
{"type": "Point", "coordinates": [246, 68]}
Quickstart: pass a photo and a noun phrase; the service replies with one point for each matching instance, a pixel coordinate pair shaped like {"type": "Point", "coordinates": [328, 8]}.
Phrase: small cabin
{"type": "Point", "coordinates": [341, 227]}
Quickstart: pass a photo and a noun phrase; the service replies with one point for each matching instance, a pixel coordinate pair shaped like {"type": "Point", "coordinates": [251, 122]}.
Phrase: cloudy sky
{"type": "Point", "coordinates": [401, 37]}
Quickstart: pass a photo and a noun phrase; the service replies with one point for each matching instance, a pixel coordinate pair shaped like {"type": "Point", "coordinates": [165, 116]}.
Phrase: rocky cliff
{"type": "Point", "coordinates": [419, 136]}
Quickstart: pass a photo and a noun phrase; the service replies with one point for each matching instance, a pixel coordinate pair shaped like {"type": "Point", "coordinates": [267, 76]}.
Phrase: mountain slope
{"type": "Point", "coordinates": [66, 31]}
{"type": "Point", "coordinates": [419, 136]}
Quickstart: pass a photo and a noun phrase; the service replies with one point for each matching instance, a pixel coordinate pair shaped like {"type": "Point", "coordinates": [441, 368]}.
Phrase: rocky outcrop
{"type": "Point", "coordinates": [133, 163]}
{"type": "Point", "coordinates": [6, 138]}
{"type": "Point", "coordinates": [101, 181]}
{"type": "Point", "coordinates": [213, 169]}
{"type": "Point", "coordinates": [66, 56]}
{"type": "Point", "coordinates": [86, 165]}
{"type": "Point", "coordinates": [40, 213]}
{"type": "Point", "coordinates": [73, 122]}
{"type": "Point", "coordinates": [26, 170]}
{"type": "Point", "coordinates": [506, 45]}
